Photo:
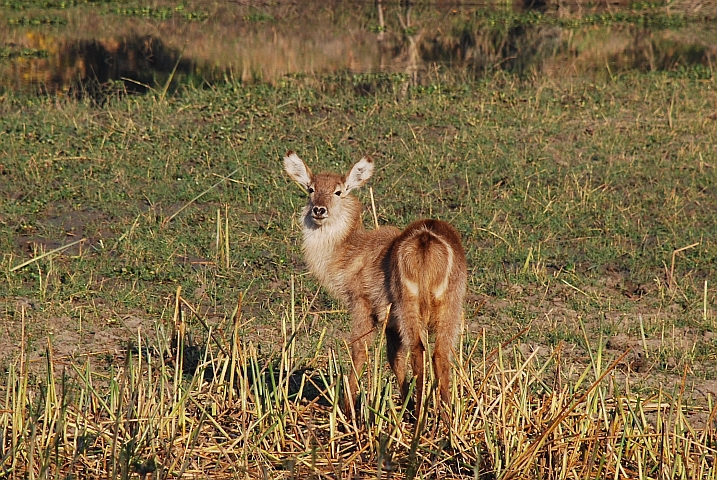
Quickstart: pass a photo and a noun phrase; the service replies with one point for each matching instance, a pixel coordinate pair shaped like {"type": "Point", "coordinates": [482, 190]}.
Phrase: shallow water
{"type": "Point", "coordinates": [92, 49]}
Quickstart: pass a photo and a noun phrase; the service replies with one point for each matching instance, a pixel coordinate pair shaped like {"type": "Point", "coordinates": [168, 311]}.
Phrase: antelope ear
{"type": "Point", "coordinates": [297, 169]}
{"type": "Point", "coordinates": [359, 173]}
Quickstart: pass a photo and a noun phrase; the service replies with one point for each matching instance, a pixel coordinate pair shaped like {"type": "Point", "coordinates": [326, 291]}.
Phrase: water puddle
{"type": "Point", "coordinates": [95, 48]}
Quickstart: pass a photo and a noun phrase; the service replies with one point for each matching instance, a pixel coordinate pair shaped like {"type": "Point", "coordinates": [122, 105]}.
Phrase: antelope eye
{"type": "Point", "coordinates": [310, 190]}
{"type": "Point", "coordinates": [337, 193]}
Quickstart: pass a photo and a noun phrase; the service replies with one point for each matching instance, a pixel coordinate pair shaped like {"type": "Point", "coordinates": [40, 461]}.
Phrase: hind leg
{"type": "Point", "coordinates": [418, 361]}
{"type": "Point", "coordinates": [447, 330]}
{"type": "Point", "coordinates": [442, 367]}
{"type": "Point", "coordinates": [396, 353]}
{"type": "Point", "coordinates": [407, 326]}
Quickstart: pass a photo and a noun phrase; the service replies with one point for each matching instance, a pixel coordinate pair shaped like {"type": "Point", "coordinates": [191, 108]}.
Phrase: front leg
{"type": "Point", "coordinates": [363, 332]}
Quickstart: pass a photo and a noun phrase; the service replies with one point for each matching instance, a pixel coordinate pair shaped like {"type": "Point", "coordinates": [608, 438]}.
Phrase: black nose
{"type": "Point", "coordinates": [319, 211]}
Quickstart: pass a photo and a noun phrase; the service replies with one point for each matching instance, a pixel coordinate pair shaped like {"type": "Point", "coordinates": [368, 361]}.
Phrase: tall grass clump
{"type": "Point", "coordinates": [231, 411]}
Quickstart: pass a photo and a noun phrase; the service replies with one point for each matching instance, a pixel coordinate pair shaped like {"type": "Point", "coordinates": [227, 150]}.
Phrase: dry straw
{"type": "Point", "coordinates": [229, 410]}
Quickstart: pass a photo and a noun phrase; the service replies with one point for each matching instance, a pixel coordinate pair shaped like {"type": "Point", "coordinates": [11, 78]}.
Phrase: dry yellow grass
{"type": "Point", "coordinates": [243, 414]}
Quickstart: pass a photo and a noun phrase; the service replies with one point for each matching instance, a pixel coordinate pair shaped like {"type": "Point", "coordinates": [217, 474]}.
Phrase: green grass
{"type": "Point", "coordinates": [576, 199]}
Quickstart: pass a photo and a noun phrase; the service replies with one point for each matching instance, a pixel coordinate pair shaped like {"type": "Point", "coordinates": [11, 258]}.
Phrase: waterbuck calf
{"type": "Point", "coordinates": [420, 272]}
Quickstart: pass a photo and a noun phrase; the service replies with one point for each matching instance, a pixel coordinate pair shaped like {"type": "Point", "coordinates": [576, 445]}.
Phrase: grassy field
{"type": "Point", "coordinates": [157, 315]}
